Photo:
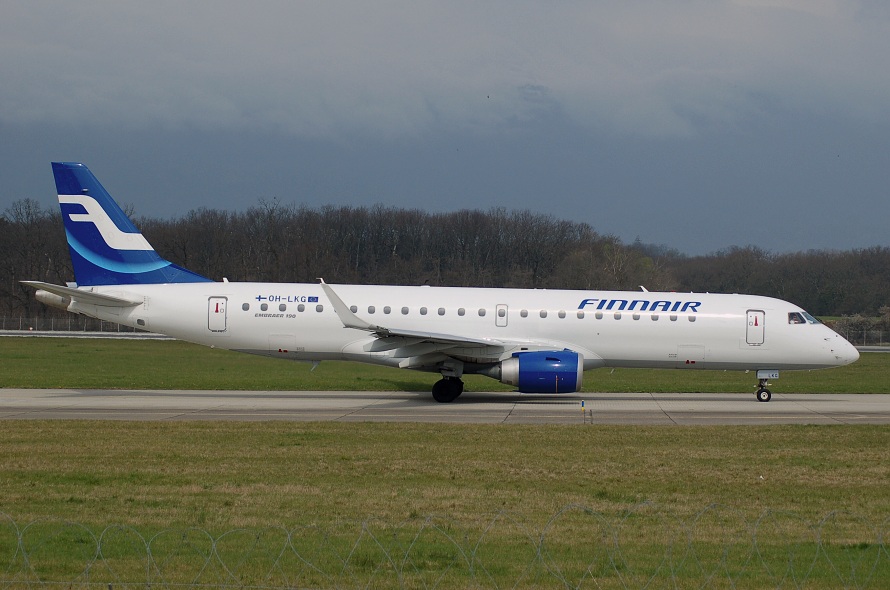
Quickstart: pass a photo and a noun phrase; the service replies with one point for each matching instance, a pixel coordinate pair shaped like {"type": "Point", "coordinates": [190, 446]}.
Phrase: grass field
{"type": "Point", "coordinates": [149, 364]}
{"type": "Point", "coordinates": [703, 490]}
{"type": "Point", "coordinates": [222, 476]}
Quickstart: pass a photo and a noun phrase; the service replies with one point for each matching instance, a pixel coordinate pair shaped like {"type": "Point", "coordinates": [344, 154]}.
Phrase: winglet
{"type": "Point", "coordinates": [349, 319]}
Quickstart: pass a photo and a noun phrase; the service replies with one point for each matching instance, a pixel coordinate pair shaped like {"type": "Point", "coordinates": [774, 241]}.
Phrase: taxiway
{"type": "Point", "coordinates": [489, 408]}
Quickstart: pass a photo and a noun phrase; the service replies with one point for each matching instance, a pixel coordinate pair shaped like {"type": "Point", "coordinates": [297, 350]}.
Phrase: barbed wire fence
{"type": "Point", "coordinates": [644, 547]}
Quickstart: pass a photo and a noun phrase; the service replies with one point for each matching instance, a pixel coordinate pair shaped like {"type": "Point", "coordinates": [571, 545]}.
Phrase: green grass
{"type": "Point", "coordinates": [653, 488]}
{"type": "Point", "coordinates": [149, 364]}
{"type": "Point", "coordinates": [234, 474]}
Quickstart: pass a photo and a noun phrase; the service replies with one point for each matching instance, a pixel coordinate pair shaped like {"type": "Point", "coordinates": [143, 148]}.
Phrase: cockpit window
{"type": "Point", "coordinates": [801, 317]}
{"type": "Point", "coordinates": [811, 319]}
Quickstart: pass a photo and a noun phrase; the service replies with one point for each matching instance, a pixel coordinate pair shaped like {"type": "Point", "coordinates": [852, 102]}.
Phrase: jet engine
{"type": "Point", "coordinates": [557, 371]}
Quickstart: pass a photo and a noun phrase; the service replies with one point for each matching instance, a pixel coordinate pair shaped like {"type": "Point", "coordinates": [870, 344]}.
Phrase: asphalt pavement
{"type": "Point", "coordinates": [487, 408]}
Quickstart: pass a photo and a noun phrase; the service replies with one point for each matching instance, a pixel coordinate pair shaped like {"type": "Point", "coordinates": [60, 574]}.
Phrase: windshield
{"type": "Point", "coordinates": [811, 319]}
{"type": "Point", "coordinates": [801, 317]}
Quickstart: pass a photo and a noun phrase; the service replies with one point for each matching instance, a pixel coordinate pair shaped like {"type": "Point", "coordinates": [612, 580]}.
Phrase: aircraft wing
{"type": "Point", "coordinates": [350, 320]}
{"type": "Point", "coordinates": [85, 296]}
{"type": "Point", "coordinates": [405, 342]}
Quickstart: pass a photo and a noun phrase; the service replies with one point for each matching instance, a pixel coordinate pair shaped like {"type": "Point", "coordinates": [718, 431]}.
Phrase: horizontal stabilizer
{"type": "Point", "coordinates": [85, 296]}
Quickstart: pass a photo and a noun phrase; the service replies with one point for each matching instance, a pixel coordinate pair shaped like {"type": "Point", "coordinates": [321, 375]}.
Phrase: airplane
{"type": "Point", "coordinates": [541, 341]}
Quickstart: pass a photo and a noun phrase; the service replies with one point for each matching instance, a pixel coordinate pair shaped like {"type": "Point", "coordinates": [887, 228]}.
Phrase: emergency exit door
{"type": "Point", "coordinates": [216, 314]}
{"type": "Point", "coordinates": [755, 326]}
{"type": "Point", "coordinates": [500, 317]}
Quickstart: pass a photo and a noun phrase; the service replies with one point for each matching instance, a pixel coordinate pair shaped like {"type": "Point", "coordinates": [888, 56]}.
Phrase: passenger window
{"type": "Point", "coordinates": [692, 318]}
{"type": "Point", "coordinates": [598, 315]}
{"type": "Point", "coordinates": [441, 311]}
{"type": "Point", "coordinates": [481, 312]}
{"type": "Point", "coordinates": [282, 307]}
{"type": "Point", "coordinates": [301, 308]}
{"type": "Point", "coordinates": [502, 313]}
{"type": "Point", "coordinates": [561, 314]}
{"type": "Point", "coordinates": [523, 313]}
{"type": "Point", "coordinates": [580, 314]}
{"type": "Point", "coordinates": [264, 307]}
{"type": "Point", "coordinates": [673, 318]}
{"type": "Point", "coordinates": [543, 313]}
{"type": "Point", "coordinates": [404, 311]}
{"type": "Point", "coordinates": [353, 308]}
{"type": "Point", "coordinates": [654, 317]}
{"type": "Point", "coordinates": [617, 315]}
{"type": "Point", "coordinates": [422, 311]}
{"type": "Point", "coordinates": [245, 306]}
{"type": "Point", "coordinates": [461, 311]}
{"type": "Point", "coordinates": [319, 308]}
{"type": "Point", "coordinates": [636, 316]}
{"type": "Point", "coordinates": [387, 309]}
{"type": "Point", "coordinates": [372, 309]}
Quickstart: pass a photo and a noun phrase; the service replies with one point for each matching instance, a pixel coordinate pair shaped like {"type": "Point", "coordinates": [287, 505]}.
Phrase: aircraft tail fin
{"type": "Point", "coordinates": [106, 248]}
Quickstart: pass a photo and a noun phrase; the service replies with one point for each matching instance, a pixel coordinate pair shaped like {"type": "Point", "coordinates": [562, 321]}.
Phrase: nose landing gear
{"type": "Point", "coordinates": [763, 394]}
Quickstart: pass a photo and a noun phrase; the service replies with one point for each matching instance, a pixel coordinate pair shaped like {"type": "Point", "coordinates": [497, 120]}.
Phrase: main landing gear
{"type": "Point", "coordinates": [447, 389]}
{"type": "Point", "coordinates": [763, 394]}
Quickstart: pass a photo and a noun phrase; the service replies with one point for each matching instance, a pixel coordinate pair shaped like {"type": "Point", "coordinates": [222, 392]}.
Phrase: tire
{"type": "Point", "coordinates": [764, 395]}
{"type": "Point", "coordinates": [446, 391]}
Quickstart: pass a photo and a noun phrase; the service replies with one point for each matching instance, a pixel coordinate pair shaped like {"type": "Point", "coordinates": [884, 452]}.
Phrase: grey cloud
{"type": "Point", "coordinates": [391, 68]}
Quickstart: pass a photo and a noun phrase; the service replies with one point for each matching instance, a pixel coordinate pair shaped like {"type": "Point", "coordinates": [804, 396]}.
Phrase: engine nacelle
{"type": "Point", "coordinates": [556, 371]}
{"type": "Point", "coordinates": [52, 300]}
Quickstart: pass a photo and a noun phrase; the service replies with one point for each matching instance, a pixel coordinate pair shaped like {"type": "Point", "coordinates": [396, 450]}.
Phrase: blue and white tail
{"type": "Point", "coordinates": [106, 248]}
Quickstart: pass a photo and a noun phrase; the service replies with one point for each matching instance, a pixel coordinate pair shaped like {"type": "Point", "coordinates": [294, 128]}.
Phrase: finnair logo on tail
{"type": "Point", "coordinates": [113, 236]}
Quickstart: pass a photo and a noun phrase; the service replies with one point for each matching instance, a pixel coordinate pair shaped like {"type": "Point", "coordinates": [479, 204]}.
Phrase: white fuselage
{"type": "Point", "coordinates": [612, 329]}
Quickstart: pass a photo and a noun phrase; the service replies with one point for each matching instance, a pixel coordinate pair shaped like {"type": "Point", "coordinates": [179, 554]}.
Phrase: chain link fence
{"type": "Point", "coordinates": [66, 323]}
{"type": "Point", "coordinates": [866, 337]}
{"type": "Point", "coordinates": [644, 547]}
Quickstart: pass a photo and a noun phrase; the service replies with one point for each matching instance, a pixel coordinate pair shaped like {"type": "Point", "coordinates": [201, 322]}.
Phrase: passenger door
{"type": "Point", "coordinates": [216, 314]}
{"type": "Point", "coordinates": [755, 333]}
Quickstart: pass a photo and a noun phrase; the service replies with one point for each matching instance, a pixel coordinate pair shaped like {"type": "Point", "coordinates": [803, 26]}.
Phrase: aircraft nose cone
{"type": "Point", "coordinates": [853, 355]}
{"type": "Point", "coordinates": [844, 352]}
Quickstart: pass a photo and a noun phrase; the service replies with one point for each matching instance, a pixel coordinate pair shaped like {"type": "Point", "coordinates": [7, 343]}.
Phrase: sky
{"type": "Point", "coordinates": [698, 125]}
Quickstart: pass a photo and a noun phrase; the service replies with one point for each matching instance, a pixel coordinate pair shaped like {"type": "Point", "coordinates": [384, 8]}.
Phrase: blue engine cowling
{"type": "Point", "coordinates": [556, 371]}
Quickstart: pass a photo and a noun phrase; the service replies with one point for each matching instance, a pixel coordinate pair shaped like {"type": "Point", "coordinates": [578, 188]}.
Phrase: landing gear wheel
{"type": "Point", "coordinates": [763, 394]}
{"type": "Point", "coordinates": [447, 390]}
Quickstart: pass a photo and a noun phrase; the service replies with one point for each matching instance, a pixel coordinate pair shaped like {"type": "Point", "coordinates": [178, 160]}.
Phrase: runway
{"type": "Point", "coordinates": [481, 408]}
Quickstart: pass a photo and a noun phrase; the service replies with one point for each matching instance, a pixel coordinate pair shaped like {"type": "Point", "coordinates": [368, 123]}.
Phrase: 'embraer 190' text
{"type": "Point", "coordinates": [640, 305]}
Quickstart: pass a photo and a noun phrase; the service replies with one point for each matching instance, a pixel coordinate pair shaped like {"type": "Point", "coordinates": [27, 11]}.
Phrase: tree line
{"type": "Point", "coordinates": [494, 248]}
